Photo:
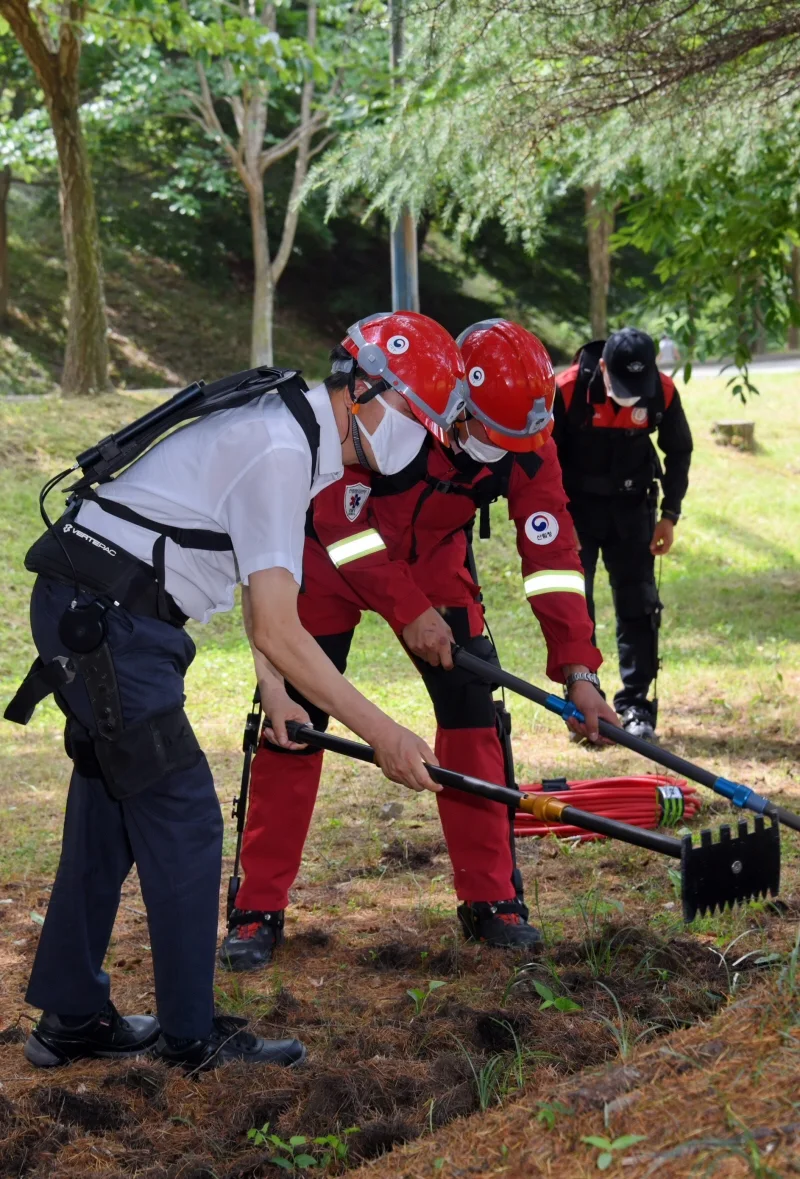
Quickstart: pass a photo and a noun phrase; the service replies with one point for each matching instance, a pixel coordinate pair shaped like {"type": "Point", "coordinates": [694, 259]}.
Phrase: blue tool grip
{"type": "Point", "coordinates": [741, 795]}
{"type": "Point", "coordinates": [564, 708]}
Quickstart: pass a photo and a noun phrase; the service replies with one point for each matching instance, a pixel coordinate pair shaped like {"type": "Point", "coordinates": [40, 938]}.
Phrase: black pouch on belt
{"type": "Point", "coordinates": [130, 758]}
{"type": "Point", "coordinates": [146, 752]}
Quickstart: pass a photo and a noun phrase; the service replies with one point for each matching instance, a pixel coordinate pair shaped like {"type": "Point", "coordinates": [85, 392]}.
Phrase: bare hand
{"type": "Point", "coordinates": [663, 536]}
{"type": "Point", "coordinates": [400, 754]}
{"type": "Point", "coordinates": [588, 700]}
{"type": "Point", "coordinates": [278, 709]}
{"type": "Point", "coordinates": [430, 638]}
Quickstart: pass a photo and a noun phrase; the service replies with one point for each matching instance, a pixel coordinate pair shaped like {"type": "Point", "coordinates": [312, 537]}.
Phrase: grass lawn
{"type": "Point", "coordinates": [373, 912]}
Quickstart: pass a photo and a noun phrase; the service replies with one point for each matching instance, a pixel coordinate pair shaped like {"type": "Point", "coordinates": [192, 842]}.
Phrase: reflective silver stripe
{"type": "Point", "coordinates": [554, 581]}
{"type": "Point", "coordinates": [360, 545]}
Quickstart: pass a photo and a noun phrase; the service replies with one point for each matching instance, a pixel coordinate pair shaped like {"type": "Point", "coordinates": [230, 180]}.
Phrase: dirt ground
{"type": "Point", "coordinates": [467, 1075]}
{"type": "Point", "coordinates": [719, 1099]}
{"type": "Point", "coordinates": [395, 1066]}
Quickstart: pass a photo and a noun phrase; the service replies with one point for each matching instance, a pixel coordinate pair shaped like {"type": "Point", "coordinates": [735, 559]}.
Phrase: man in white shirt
{"type": "Point", "coordinates": [222, 501]}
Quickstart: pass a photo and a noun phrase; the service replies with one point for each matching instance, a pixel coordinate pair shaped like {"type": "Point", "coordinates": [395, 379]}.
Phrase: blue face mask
{"type": "Point", "coordinates": [396, 440]}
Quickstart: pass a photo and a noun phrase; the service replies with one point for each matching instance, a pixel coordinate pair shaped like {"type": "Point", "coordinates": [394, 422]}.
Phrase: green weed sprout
{"type": "Point", "coordinates": [419, 997]}
{"type": "Point", "coordinates": [608, 1148]}
{"type": "Point", "coordinates": [293, 1158]}
{"type": "Point", "coordinates": [549, 999]}
{"type": "Point", "coordinates": [550, 1111]}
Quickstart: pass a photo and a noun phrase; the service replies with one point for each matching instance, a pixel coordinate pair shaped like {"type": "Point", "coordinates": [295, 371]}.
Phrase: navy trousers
{"type": "Point", "coordinates": [171, 831]}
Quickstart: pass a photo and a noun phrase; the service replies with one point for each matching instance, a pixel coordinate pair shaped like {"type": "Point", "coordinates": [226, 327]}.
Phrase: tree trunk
{"type": "Point", "coordinates": [261, 351]}
{"type": "Point", "coordinates": [599, 227]}
{"type": "Point", "coordinates": [86, 359]}
{"type": "Point", "coordinates": [793, 340]}
{"type": "Point", "coordinates": [5, 185]}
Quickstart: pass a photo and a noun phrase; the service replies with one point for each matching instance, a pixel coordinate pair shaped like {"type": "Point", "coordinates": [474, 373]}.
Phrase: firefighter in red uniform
{"type": "Point", "coordinates": [399, 546]}
{"type": "Point", "coordinates": [608, 404]}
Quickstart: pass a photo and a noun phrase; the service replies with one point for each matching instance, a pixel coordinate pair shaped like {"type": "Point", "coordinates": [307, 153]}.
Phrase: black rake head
{"type": "Point", "coordinates": [735, 869]}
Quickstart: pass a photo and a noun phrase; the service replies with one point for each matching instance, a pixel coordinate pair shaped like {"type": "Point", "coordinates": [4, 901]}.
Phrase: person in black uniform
{"type": "Point", "coordinates": [609, 403]}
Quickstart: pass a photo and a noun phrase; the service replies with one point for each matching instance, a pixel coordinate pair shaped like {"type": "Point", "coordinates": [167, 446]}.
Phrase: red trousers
{"type": "Point", "coordinates": [283, 786]}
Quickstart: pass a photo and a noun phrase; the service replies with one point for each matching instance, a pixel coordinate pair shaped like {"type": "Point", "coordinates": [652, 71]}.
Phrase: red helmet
{"type": "Point", "coordinates": [510, 383]}
{"type": "Point", "coordinates": [417, 357]}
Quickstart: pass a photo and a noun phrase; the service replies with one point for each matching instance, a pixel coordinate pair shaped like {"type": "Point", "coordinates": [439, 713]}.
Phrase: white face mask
{"type": "Point", "coordinates": [396, 440]}
{"type": "Point", "coordinates": [482, 452]}
{"type": "Point", "coordinates": [625, 402]}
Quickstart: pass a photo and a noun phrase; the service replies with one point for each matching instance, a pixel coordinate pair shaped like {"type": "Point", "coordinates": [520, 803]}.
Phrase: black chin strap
{"type": "Point", "coordinates": [380, 386]}
{"type": "Point", "coordinates": [357, 445]}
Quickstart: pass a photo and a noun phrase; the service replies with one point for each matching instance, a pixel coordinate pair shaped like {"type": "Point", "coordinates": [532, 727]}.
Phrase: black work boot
{"type": "Point", "coordinates": [638, 720]}
{"type": "Point", "coordinates": [499, 923]}
{"type": "Point", "coordinates": [251, 939]}
{"type": "Point", "coordinates": [228, 1041]}
{"type": "Point", "coordinates": [59, 1039]}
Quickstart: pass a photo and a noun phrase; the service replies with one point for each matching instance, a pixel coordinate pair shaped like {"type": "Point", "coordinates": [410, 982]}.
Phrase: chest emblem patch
{"type": "Point", "coordinates": [639, 415]}
{"type": "Point", "coordinates": [355, 496]}
{"type": "Point", "coordinates": [541, 528]}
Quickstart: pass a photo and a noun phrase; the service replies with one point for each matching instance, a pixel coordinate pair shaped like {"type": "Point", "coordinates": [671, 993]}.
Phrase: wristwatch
{"type": "Point", "coordinates": [574, 678]}
{"type": "Point", "coordinates": [673, 516]}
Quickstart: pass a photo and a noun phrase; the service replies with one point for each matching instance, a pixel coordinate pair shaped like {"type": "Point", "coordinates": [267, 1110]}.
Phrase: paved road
{"type": "Point", "coordinates": [762, 364]}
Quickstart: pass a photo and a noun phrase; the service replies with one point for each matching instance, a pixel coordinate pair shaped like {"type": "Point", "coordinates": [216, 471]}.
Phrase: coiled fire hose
{"type": "Point", "coordinates": [647, 800]}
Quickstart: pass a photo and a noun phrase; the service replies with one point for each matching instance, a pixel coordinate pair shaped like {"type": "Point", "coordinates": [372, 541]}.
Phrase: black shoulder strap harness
{"type": "Point", "coordinates": [112, 454]}
{"type": "Point", "coordinates": [589, 379]}
{"type": "Point", "coordinates": [118, 756]}
{"type": "Point", "coordinates": [483, 493]}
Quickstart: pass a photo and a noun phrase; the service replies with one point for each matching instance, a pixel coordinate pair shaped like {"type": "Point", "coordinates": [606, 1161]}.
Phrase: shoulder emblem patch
{"type": "Point", "coordinates": [355, 496]}
{"type": "Point", "coordinates": [541, 528]}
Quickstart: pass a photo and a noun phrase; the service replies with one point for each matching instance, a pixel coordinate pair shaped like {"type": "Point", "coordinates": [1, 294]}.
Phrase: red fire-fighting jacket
{"type": "Point", "coordinates": [400, 543]}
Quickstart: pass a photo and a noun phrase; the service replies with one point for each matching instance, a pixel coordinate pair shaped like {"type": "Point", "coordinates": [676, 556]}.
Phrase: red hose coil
{"type": "Point", "coordinates": [649, 801]}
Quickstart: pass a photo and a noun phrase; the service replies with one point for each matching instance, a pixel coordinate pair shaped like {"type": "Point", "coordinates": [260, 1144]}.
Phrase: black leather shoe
{"type": "Point", "coordinates": [251, 939]}
{"type": "Point", "coordinates": [499, 923]}
{"type": "Point", "coordinates": [638, 721]}
{"type": "Point", "coordinates": [228, 1041]}
{"type": "Point", "coordinates": [107, 1034]}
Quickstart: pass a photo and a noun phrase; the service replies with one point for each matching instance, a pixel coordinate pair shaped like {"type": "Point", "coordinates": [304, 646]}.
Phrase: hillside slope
{"type": "Point", "coordinates": [165, 328]}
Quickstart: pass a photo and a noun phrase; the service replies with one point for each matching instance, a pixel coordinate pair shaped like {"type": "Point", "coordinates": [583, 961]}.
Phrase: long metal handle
{"type": "Point", "coordinates": [544, 807]}
{"type": "Point", "coordinates": [735, 792]}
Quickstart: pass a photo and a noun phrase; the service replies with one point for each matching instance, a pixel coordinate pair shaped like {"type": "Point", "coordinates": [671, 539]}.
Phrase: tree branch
{"type": "Point", "coordinates": [209, 121]}
{"type": "Point", "coordinates": [29, 34]}
{"type": "Point", "coordinates": [308, 125]}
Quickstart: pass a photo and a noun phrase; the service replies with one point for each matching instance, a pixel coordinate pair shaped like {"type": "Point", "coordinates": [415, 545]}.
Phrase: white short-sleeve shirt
{"type": "Point", "coordinates": [245, 472]}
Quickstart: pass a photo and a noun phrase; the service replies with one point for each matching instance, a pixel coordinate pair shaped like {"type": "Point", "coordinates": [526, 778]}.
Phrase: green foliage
{"type": "Point", "coordinates": [790, 975]}
{"type": "Point", "coordinates": [600, 946]}
{"type": "Point", "coordinates": [548, 1113]}
{"type": "Point", "coordinates": [420, 997]}
{"type": "Point", "coordinates": [608, 1148]}
{"type": "Point", "coordinates": [620, 1028]}
{"type": "Point", "coordinates": [300, 1153]}
{"type": "Point", "coordinates": [492, 132]}
{"type": "Point", "coordinates": [549, 999]}
{"type": "Point", "coordinates": [720, 234]}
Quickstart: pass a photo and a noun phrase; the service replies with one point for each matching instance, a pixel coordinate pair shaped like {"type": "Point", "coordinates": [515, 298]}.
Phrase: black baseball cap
{"type": "Point", "coordinates": [630, 359]}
